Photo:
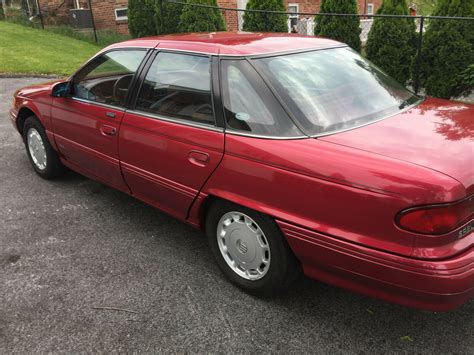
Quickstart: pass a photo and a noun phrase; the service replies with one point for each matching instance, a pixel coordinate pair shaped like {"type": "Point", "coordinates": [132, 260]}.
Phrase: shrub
{"type": "Point", "coordinates": [167, 17]}
{"type": "Point", "coordinates": [392, 41]}
{"type": "Point", "coordinates": [466, 80]}
{"type": "Point", "coordinates": [2, 14]}
{"type": "Point", "coordinates": [448, 50]}
{"type": "Point", "coordinates": [16, 15]}
{"type": "Point", "coordinates": [201, 19]}
{"type": "Point", "coordinates": [141, 18]}
{"type": "Point", "coordinates": [265, 22]}
{"type": "Point", "coordinates": [341, 28]}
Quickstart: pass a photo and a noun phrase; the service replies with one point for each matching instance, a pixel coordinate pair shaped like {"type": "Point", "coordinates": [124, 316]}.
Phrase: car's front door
{"type": "Point", "coordinates": [87, 123]}
{"type": "Point", "coordinates": [169, 143]}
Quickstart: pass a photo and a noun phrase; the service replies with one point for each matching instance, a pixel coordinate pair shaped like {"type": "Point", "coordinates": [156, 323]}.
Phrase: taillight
{"type": "Point", "coordinates": [437, 219]}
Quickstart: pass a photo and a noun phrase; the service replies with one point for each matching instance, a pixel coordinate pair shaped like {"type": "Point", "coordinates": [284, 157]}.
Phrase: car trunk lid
{"type": "Point", "coordinates": [436, 134]}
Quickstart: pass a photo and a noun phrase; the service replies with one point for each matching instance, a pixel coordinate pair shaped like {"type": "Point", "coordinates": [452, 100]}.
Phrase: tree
{"type": "Point", "coordinates": [466, 80]}
{"type": "Point", "coordinates": [2, 13]}
{"type": "Point", "coordinates": [341, 28]}
{"type": "Point", "coordinates": [167, 16]}
{"type": "Point", "coordinates": [448, 50]}
{"type": "Point", "coordinates": [391, 44]}
{"type": "Point", "coordinates": [141, 18]}
{"type": "Point", "coordinates": [201, 19]}
{"type": "Point", "coordinates": [265, 21]}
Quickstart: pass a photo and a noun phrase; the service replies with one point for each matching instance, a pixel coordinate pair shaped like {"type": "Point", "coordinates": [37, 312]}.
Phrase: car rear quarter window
{"type": "Point", "coordinates": [250, 107]}
{"type": "Point", "coordinates": [107, 78]}
{"type": "Point", "coordinates": [178, 86]}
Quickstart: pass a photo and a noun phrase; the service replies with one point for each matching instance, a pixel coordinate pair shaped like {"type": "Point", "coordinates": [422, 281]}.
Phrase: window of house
{"type": "Point", "coordinates": [370, 9]}
{"type": "Point", "coordinates": [250, 106]}
{"type": "Point", "coordinates": [107, 78]}
{"type": "Point", "coordinates": [121, 14]}
{"type": "Point", "coordinates": [293, 9]}
{"type": "Point", "coordinates": [178, 86]}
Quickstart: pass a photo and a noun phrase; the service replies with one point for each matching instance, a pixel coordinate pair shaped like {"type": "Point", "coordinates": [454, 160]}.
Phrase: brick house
{"type": "Point", "coordinates": [234, 20]}
{"type": "Point", "coordinates": [108, 14]}
{"type": "Point", "coordinates": [112, 14]}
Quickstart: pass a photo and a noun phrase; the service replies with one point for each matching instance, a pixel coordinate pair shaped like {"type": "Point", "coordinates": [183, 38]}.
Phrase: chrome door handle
{"type": "Point", "coordinates": [110, 114]}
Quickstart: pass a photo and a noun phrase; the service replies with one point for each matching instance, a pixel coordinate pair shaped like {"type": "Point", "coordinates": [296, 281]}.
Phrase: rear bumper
{"type": "Point", "coordinates": [432, 285]}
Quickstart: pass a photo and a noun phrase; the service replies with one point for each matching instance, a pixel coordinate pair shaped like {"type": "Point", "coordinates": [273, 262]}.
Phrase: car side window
{"type": "Point", "coordinates": [107, 78]}
{"type": "Point", "coordinates": [249, 104]}
{"type": "Point", "coordinates": [178, 86]}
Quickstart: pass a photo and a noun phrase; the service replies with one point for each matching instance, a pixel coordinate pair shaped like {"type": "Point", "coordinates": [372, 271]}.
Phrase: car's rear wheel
{"type": "Point", "coordinates": [250, 249]}
{"type": "Point", "coordinates": [41, 154]}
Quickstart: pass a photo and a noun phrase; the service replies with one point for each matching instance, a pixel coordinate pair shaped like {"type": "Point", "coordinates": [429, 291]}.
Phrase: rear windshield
{"type": "Point", "coordinates": [334, 89]}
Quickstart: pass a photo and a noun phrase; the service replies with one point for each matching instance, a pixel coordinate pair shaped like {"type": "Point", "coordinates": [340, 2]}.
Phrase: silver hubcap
{"type": "Point", "coordinates": [36, 148]}
{"type": "Point", "coordinates": [243, 245]}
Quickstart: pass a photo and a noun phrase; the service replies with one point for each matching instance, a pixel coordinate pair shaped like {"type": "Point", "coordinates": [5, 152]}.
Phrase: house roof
{"type": "Point", "coordinates": [232, 43]}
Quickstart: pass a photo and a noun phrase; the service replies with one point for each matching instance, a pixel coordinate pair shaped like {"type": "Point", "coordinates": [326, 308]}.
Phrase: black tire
{"type": "Point", "coordinates": [283, 268]}
{"type": "Point", "coordinates": [53, 168]}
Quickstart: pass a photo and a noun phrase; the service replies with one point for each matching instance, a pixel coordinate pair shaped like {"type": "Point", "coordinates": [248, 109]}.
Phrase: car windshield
{"type": "Point", "coordinates": [334, 89]}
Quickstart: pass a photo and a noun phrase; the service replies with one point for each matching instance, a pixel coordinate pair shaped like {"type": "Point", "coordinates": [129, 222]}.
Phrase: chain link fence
{"type": "Point", "coordinates": [305, 23]}
{"type": "Point", "coordinates": [74, 18]}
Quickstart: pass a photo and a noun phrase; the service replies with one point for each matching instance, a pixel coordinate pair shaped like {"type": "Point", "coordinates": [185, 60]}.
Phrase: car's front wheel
{"type": "Point", "coordinates": [41, 154]}
{"type": "Point", "coordinates": [250, 249]}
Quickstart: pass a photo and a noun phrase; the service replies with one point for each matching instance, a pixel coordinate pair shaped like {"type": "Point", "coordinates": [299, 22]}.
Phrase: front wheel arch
{"type": "Point", "coordinates": [54, 167]}
{"type": "Point", "coordinates": [23, 114]}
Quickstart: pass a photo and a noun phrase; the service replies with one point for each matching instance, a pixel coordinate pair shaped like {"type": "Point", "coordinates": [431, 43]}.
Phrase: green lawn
{"type": "Point", "coordinates": [34, 51]}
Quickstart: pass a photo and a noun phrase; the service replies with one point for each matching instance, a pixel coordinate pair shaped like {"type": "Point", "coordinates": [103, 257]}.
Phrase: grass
{"type": "Point", "coordinates": [104, 37]}
{"type": "Point", "coordinates": [27, 50]}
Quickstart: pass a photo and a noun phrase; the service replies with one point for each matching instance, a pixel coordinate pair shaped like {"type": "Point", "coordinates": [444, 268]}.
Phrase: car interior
{"type": "Point", "coordinates": [181, 94]}
{"type": "Point", "coordinates": [106, 89]}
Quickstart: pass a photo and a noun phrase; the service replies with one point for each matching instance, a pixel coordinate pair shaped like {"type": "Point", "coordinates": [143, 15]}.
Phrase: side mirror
{"type": "Point", "coordinates": [62, 89]}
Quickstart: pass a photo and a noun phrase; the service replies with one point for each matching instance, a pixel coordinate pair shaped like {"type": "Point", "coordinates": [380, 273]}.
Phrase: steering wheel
{"type": "Point", "coordinates": [121, 86]}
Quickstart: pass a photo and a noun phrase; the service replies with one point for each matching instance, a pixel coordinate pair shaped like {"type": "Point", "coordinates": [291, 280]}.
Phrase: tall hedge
{"type": "Point", "coordinates": [201, 19]}
{"type": "Point", "coordinates": [448, 50]}
{"type": "Point", "coordinates": [167, 16]}
{"type": "Point", "coordinates": [265, 22]}
{"type": "Point", "coordinates": [392, 41]}
{"type": "Point", "coordinates": [341, 28]}
{"type": "Point", "coordinates": [141, 18]}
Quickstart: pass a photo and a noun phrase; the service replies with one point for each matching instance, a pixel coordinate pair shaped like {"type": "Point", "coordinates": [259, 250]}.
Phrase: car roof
{"type": "Point", "coordinates": [232, 43]}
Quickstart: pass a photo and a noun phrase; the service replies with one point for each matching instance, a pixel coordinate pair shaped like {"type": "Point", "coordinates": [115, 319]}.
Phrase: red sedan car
{"type": "Point", "coordinates": [291, 153]}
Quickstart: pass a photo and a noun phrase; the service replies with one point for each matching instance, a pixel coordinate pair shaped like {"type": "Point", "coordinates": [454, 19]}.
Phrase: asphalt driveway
{"type": "Point", "coordinates": [71, 246]}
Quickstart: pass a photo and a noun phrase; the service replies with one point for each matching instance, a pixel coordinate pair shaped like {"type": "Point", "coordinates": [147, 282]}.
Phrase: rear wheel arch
{"type": "Point", "coordinates": [205, 208]}
{"type": "Point", "coordinates": [211, 200]}
{"type": "Point", "coordinates": [286, 266]}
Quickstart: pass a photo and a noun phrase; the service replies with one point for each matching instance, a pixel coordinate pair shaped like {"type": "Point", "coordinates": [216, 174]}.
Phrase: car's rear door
{"type": "Point", "coordinates": [87, 123]}
{"type": "Point", "coordinates": [169, 141]}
